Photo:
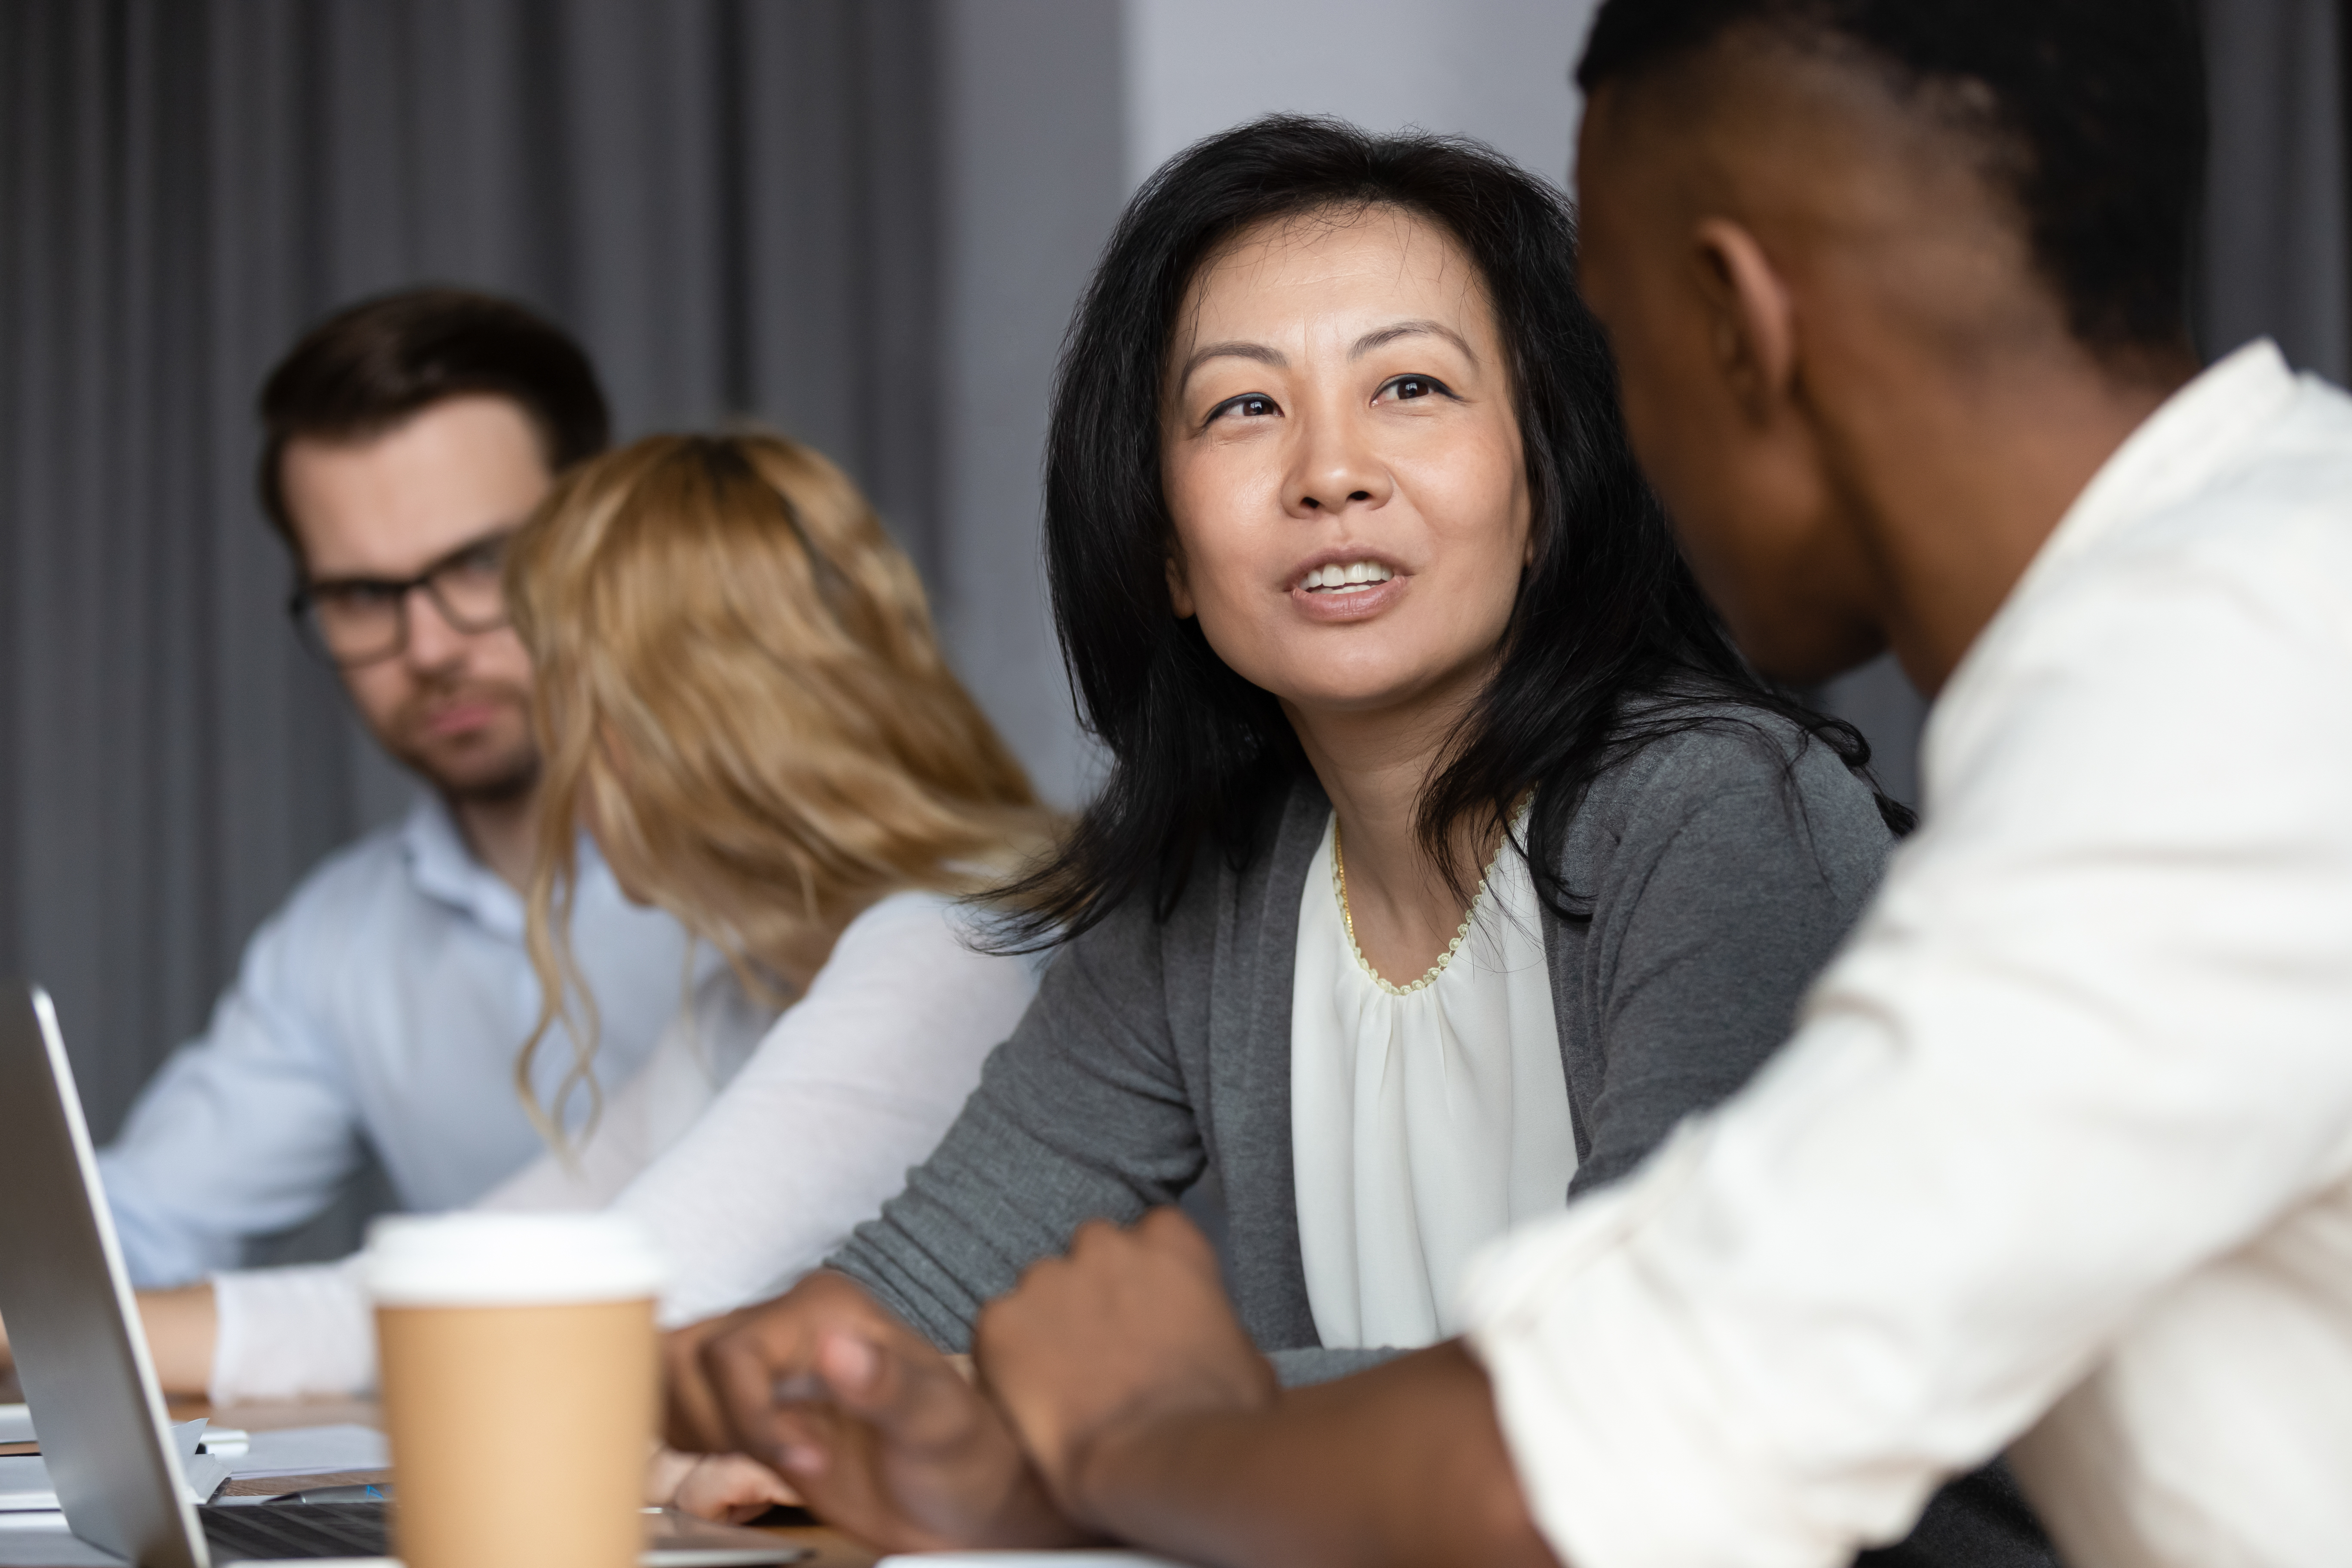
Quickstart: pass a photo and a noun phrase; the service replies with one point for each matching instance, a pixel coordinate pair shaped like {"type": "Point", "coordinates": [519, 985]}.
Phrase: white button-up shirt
{"type": "Point", "coordinates": [2066, 1134]}
{"type": "Point", "coordinates": [381, 1006]}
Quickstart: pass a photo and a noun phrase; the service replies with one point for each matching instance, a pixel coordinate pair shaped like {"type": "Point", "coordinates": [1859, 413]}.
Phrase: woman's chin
{"type": "Point", "coordinates": [1326, 694]}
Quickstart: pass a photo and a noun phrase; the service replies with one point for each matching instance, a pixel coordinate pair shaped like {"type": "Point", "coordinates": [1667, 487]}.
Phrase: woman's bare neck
{"type": "Point", "coordinates": [1375, 767]}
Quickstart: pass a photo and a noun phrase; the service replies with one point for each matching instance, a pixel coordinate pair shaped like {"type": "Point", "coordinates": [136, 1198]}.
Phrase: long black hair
{"type": "Point", "coordinates": [1606, 611]}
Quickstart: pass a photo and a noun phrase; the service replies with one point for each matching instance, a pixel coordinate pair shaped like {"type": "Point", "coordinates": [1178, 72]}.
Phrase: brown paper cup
{"type": "Point", "coordinates": [519, 1376]}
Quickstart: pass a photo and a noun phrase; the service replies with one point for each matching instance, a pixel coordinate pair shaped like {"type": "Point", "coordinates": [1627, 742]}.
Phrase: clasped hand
{"type": "Point", "coordinates": [884, 1437]}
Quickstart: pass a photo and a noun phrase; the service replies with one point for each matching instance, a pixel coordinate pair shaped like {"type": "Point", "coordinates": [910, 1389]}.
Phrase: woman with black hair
{"type": "Point", "coordinates": [1448, 855]}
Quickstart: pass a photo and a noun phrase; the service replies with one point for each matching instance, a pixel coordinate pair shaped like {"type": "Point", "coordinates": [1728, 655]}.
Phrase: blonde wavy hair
{"type": "Point", "coordinates": [740, 693]}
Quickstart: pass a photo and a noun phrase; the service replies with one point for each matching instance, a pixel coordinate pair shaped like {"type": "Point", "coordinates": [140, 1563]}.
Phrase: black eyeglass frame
{"type": "Point", "coordinates": [302, 603]}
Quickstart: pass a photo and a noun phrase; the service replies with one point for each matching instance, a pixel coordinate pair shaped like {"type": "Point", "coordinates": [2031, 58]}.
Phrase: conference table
{"type": "Point", "coordinates": [831, 1548]}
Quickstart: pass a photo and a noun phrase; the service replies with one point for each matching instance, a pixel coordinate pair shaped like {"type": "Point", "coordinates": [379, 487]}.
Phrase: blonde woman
{"type": "Point", "coordinates": [740, 695]}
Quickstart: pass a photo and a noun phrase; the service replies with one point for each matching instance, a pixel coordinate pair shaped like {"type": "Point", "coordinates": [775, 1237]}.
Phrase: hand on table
{"type": "Point", "coordinates": [876, 1430]}
{"type": "Point", "coordinates": [1132, 1327]}
{"type": "Point", "coordinates": [733, 1488]}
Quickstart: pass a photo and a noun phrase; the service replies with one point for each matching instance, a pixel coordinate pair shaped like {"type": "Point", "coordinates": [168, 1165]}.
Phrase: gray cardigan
{"type": "Point", "coordinates": [1722, 866]}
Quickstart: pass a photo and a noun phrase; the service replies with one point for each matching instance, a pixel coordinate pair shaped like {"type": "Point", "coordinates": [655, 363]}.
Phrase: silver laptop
{"type": "Point", "coordinates": [96, 1405]}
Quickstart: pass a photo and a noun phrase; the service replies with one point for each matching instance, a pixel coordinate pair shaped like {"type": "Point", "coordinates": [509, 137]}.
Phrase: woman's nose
{"type": "Point", "coordinates": [1335, 467]}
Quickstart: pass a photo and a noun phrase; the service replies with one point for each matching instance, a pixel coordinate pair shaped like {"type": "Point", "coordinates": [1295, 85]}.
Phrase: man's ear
{"type": "Point", "coordinates": [1179, 597]}
{"type": "Point", "coordinates": [1752, 328]}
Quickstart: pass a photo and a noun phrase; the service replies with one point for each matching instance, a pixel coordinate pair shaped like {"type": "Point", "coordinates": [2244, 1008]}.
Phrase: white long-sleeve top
{"type": "Point", "coordinates": [748, 1150]}
{"type": "Point", "coordinates": [2064, 1139]}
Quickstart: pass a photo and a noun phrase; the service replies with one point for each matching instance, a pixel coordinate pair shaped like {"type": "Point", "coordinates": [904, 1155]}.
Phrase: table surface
{"type": "Point", "coordinates": [832, 1549]}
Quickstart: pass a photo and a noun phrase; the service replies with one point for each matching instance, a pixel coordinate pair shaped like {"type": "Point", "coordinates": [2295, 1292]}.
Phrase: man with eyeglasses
{"type": "Point", "coordinates": [383, 1006]}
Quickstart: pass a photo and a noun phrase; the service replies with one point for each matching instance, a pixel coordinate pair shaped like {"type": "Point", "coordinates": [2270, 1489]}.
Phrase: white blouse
{"type": "Point", "coordinates": [1426, 1120]}
{"type": "Point", "coordinates": [748, 1150]}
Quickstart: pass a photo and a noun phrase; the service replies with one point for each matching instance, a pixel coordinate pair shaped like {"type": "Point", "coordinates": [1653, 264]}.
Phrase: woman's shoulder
{"type": "Point", "coordinates": [1741, 771]}
{"type": "Point", "coordinates": [909, 910]}
{"type": "Point", "coordinates": [912, 927]}
{"type": "Point", "coordinates": [1237, 890]}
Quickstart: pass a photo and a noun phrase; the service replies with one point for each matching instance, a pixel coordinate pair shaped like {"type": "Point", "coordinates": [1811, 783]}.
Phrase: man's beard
{"type": "Point", "coordinates": [502, 789]}
{"type": "Point", "coordinates": [498, 777]}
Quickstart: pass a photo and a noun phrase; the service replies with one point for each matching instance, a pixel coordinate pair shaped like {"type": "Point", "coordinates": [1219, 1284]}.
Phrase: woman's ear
{"type": "Point", "coordinates": [1179, 597]}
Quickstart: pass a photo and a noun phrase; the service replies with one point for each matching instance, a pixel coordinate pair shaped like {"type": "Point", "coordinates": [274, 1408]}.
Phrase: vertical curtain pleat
{"type": "Point", "coordinates": [697, 187]}
{"type": "Point", "coordinates": [2276, 203]}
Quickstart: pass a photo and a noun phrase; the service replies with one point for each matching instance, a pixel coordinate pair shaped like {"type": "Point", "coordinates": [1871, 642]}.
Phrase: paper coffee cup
{"type": "Point", "coordinates": [520, 1377]}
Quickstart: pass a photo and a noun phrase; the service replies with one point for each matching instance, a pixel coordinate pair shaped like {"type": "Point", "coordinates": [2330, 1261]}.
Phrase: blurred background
{"type": "Point", "coordinates": [861, 222]}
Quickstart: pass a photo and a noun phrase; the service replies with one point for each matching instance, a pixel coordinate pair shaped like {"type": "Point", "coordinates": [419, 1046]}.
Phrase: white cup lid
{"type": "Point", "coordinates": [476, 1259]}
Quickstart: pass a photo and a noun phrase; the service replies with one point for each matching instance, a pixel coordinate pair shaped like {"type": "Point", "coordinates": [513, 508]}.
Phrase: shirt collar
{"type": "Point", "coordinates": [2176, 451]}
{"type": "Point", "coordinates": [445, 871]}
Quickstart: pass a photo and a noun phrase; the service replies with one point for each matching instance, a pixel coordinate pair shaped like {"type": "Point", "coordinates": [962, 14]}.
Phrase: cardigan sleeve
{"type": "Point", "coordinates": [1723, 868]}
{"type": "Point", "coordinates": [1082, 1113]}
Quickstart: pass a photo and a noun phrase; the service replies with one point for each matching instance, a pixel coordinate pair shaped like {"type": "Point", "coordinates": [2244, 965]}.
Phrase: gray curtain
{"type": "Point", "coordinates": [731, 201]}
{"type": "Point", "coordinates": [2275, 234]}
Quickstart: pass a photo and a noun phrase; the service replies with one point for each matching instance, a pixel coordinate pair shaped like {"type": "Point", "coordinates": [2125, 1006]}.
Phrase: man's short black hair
{"type": "Point", "coordinates": [2096, 113]}
{"type": "Point", "coordinates": [371, 365]}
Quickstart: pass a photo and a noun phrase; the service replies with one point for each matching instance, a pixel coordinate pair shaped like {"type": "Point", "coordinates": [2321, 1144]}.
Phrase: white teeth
{"type": "Point", "coordinates": [1351, 574]}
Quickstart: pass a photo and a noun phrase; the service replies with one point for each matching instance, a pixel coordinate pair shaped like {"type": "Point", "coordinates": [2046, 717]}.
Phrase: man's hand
{"type": "Point", "coordinates": [1152, 1418]}
{"type": "Point", "coordinates": [692, 1422]}
{"type": "Point", "coordinates": [1130, 1327]}
{"type": "Point", "coordinates": [876, 1430]}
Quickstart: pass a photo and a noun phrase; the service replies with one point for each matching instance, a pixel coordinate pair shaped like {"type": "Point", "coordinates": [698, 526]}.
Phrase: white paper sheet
{"type": "Point", "coordinates": [310, 1451]}
{"type": "Point", "coordinates": [15, 1424]}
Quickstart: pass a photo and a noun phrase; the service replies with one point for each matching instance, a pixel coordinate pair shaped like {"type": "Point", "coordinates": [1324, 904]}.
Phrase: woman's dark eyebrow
{"type": "Point", "coordinates": [1362, 346]}
{"type": "Point", "coordinates": [1236, 350]}
{"type": "Point", "coordinates": [1374, 339]}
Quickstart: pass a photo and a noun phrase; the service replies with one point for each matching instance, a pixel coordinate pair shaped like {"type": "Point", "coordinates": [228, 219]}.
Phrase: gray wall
{"type": "Point", "coordinates": [1494, 69]}
{"type": "Point", "coordinates": [1033, 181]}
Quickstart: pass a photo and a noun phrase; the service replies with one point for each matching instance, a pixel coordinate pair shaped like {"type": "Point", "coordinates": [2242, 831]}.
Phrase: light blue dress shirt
{"type": "Point", "coordinates": [381, 1006]}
